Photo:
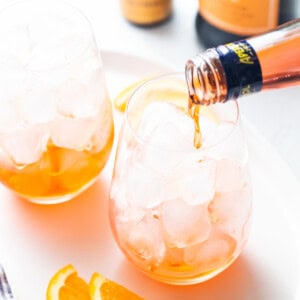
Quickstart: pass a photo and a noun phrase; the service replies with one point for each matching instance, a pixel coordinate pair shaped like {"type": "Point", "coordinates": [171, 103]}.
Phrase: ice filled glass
{"type": "Point", "coordinates": [179, 213]}
{"type": "Point", "coordinates": [56, 125]}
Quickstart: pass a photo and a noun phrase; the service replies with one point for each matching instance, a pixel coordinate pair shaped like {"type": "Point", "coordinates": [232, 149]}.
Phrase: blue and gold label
{"type": "Point", "coordinates": [241, 67]}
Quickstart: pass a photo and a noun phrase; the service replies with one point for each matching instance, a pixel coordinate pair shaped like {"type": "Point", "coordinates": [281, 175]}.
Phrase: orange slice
{"type": "Point", "coordinates": [120, 101]}
{"type": "Point", "coordinates": [174, 94]}
{"type": "Point", "coordinates": [102, 288]}
{"type": "Point", "coordinates": [66, 285]}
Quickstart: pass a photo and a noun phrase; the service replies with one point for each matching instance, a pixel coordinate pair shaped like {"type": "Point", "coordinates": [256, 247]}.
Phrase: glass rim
{"type": "Point", "coordinates": [75, 9]}
{"type": "Point", "coordinates": [141, 140]}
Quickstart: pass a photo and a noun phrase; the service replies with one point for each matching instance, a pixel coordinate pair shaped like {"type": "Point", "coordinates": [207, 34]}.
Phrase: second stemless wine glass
{"type": "Point", "coordinates": [180, 214]}
{"type": "Point", "coordinates": [56, 125]}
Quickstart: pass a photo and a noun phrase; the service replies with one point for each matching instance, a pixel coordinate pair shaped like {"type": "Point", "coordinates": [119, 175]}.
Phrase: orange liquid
{"type": "Point", "coordinates": [141, 231]}
{"type": "Point", "coordinates": [60, 172]}
{"type": "Point", "coordinates": [174, 270]}
{"type": "Point", "coordinates": [174, 267]}
{"type": "Point", "coordinates": [280, 64]}
{"type": "Point", "coordinates": [194, 112]}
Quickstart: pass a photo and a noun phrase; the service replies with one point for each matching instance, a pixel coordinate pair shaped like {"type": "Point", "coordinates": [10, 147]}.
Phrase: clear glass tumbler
{"type": "Point", "coordinates": [56, 124]}
{"type": "Point", "coordinates": [180, 214]}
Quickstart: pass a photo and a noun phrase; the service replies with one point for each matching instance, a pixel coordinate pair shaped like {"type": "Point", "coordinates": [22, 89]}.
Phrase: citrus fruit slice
{"type": "Point", "coordinates": [174, 93]}
{"type": "Point", "coordinates": [102, 288]}
{"type": "Point", "coordinates": [120, 101]}
{"type": "Point", "coordinates": [66, 285]}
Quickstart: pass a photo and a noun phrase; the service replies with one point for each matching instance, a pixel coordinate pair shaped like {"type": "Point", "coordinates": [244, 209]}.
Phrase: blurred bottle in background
{"type": "Point", "coordinates": [289, 9]}
{"type": "Point", "coordinates": [222, 21]}
{"type": "Point", "coordinates": [146, 12]}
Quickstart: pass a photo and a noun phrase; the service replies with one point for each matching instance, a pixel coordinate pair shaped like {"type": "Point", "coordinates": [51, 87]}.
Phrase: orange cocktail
{"type": "Point", "coordinates": [180, 213]}
{"type": "Point", "coordinates": [56, 124]}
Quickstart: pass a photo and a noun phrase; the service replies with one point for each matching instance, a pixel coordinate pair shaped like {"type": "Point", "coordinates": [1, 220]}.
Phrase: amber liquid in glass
{"type": "Point", "coordinates": [59, 173]}
{"type": "Point", "coordinates": [173, 256]}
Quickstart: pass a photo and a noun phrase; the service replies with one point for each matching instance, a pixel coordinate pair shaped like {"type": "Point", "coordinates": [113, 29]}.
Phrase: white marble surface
{"type": "Point", "coordinates": [275, 114]}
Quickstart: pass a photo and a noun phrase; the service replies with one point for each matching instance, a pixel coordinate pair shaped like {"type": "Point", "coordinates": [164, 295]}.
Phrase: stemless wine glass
{"type": "Point", "coordinates": [180, 214]}
{"type": "Point", "coordinates": [56, 125]}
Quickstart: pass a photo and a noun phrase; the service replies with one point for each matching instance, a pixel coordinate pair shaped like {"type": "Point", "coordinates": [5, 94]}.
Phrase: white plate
{"type": "Point", "coordinates": [36, 240]}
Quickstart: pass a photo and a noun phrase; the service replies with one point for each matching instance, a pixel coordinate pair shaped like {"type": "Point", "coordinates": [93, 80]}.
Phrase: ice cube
{"type": "Point", "coordinates": [152, 153]}
{"type": "Point", "coordinates": [214, 253]}
{"type": "Point", "coordinates": [174, 257]}
{"type": "Point", "coordinates": [64, 161]}
{"type": "Point", "coordinates": [194, 181]}
{"type": "Point", "coordinates": [104, 126]}
{"type": "Point", "coordinates": [74, 100]}
{"type": "Point", "coordinates": [93, 77]}
{"type": "Point", "coordinates": [16, 43]}
{"type": "Point", "coordinates": [8, 116]}
{"type": "Point", "coordinates": [55, 40]}
{"type": "Point", "coordinates": [25, 145]}
{"type": "Point", "coordinates": [118, 188]}
{"type": "Point", "coordinates": [72, 133]}
{"type": "Point", "coordinates": [13, 78]}
{"type": "Point", "coordinates": [167, 133]}
{"type": "Point", "coordinates": [92, 69]}
{"type": "Point", "coordinates": [155, 118]}
{"type": "Point", "coordinates": [131, 215]}
{"type": "Point", "coordinates": [82, 118]}
{"type": "Point", "coordinates": [37, 106]}
{"type": "Point", "coordinates": [145, 240]}
{"type": "Point", "coordinates": [231, 211]}
{"type": "Point", "coordinates": [230, 175]}
{"type": "Point", "coordinates": [145, 188]}
{"type": "Point", "coordinates": [184, 225]}
{"type": "Point", "coordinates": [5, 160]}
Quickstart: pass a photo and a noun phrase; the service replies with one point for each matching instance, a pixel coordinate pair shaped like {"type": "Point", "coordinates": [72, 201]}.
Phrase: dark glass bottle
{"type": "Point", "coordinates": [213, 32]}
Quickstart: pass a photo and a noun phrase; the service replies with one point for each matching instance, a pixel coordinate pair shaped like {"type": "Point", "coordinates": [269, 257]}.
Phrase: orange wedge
{"type": "Point", "coordinates": [102, 288]}
{"type": "Point", "coordinates": [66, 285]}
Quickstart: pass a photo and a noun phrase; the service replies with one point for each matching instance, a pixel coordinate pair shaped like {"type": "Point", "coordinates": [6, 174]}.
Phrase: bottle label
{"type": "Point", "coordinates": [241, 17]}
{"type": "Point", "coordinates": [241, 67]}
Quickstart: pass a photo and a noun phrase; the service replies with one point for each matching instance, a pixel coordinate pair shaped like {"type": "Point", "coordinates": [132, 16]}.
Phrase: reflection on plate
{"type": "Point", "coordinates": [35, 241]}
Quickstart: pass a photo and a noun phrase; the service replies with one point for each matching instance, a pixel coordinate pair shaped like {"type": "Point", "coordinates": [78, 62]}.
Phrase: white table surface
{"type": "Point", "coordinates": [275, 114]}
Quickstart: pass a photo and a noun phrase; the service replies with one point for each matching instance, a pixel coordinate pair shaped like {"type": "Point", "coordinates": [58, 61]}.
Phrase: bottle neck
{"type": "Point", "coordinates": [223, 73]}
{"type": "Point", "coordinates": [206, 78]}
